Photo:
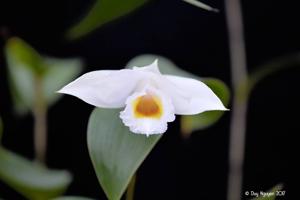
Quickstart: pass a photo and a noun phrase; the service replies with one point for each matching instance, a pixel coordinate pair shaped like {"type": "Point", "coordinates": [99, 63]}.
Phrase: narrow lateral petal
{"type": "Point", "coordinates": [104, 88]}
{"type": "Point", "coordinates": [190, 96]}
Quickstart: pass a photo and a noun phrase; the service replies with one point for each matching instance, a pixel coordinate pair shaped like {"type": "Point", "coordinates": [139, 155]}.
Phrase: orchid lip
{"type": "Point", "coordinates": [148, 106]}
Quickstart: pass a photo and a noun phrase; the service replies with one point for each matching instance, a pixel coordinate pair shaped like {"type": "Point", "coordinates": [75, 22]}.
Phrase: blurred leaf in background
{"type": "Point", "coordinates": [189, 123]}
{"type": "Point", "coordinates": [34, 80]}
{"type": "Point", "coordinates": [103, 11]}
{"type": "Point", "coordinates": [25, 65]}
{"type": "Point", "coordinates": [72, 198]}
{"type": "Point", "coordinates": [31, 179]}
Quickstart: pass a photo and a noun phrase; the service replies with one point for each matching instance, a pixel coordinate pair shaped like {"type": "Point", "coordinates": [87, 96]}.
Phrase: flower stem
{"type": "Point", "coordinates": [240, 98]}
{"type": "Point", "coordinates": [40, 121]}
{"type": "Point", "coordinates": [130, 189]}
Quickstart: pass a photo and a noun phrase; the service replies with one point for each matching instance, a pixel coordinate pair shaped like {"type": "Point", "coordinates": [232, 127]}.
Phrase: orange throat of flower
{"type": "Point", "coordinates": [147, 106]}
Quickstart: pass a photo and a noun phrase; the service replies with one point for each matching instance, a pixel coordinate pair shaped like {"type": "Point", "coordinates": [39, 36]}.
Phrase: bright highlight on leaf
{"type": "Point", "coordinates": [151, 99]}
{"type": "Point", "coordinates": [201, 5]}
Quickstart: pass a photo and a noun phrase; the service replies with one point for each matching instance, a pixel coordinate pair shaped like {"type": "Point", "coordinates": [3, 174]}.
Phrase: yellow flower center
{"type": "Point", "coordinates": [147, 106]}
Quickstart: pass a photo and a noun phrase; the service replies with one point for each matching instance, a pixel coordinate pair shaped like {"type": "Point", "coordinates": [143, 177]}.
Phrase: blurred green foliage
{"type": "Point", "coordinates": [72, 198]}
{"type": "Point", "coordinates": [102, 12]}
{"type": "Point", "coordinates": [31, 179]}
{"type": "Point", "coordinates": [271, 67]}
{"type": "Point", "coordinates": [20, 53]}
{"type": "Point", "coordinates": [26, 66]}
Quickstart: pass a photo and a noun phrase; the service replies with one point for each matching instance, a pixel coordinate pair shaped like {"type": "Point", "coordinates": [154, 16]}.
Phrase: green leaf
{"type": "Point", "coordinates": [270, 194]}
{"type": "Point", "coordinates": [56, 73]}
{"type": "Point", "coordinates": [201, 5]}
{"type": "Point", "coordinates": [116, 153]}
{"type": "Point", "coordinates": [189, 123]}
{"type": "Point", "coordinates": [22, 54]}
{"type": "Point", "coordinates": [61, 71]}
{"type": "Point", "coordinates": [71, 198]}
{"type": "Point", "coordinates": [30, 179]}
{"type": "Point", "coordinates": [102, 12]}
{"type": "Point", "coordinates": [271, 67]}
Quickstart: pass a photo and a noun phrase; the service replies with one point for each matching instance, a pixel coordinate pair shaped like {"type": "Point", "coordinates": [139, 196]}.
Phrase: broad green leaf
{"type": "Point", "coordinates": [32, 180]}
{"type": "Point", "coordinates": [201, 5]}
{"type": "Point", "coordinates": [116, 153]}
{"type": "Point", "coordinates": [56, 73]}
{"type": "Point", "coordinates": [102, 12]}
{"type": "Point", "coordinates": [189, 123]}
{"type": "Point", "coordinates": [270, 194]}
{"type": "Point", "coordinates": [72, 198]}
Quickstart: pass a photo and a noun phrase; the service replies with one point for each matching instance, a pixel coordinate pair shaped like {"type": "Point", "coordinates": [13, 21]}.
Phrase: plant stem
{"type": "Point", "coordinates": [239, 107]}
{"type": "Point", "coordinates": [40, 121]}
{"type": "Point", "coordinates": [130, 189]}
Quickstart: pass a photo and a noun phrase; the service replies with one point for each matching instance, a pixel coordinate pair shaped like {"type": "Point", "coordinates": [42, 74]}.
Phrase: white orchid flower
{"type": "Point", "coordinates": [151, 99]}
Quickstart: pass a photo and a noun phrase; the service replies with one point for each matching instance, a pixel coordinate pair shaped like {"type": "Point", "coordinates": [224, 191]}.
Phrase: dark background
{"type": "Point", "coordinates": [196, 40]}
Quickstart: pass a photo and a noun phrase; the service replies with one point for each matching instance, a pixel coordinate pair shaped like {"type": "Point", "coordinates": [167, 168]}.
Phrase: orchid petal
{"type": "Point", "coordinates": [190, 96]}
{"type": "Point", "coordinates": [104, 88]}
